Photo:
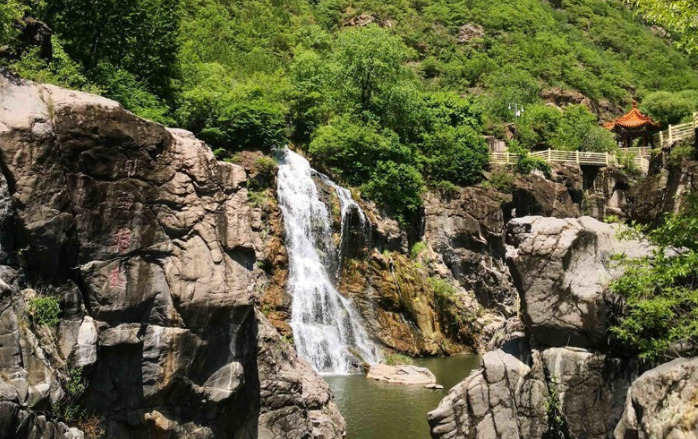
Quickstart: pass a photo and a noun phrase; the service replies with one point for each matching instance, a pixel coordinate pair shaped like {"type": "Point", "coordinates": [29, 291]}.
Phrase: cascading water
{"type": "Point", "coordinates": [327, 330]}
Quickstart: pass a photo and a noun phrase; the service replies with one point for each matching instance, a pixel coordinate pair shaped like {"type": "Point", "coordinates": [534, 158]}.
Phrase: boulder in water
{"type": "Point", "coordinates": [401, 374]}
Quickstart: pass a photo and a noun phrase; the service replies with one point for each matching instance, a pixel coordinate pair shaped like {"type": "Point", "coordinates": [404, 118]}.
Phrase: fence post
{"type": "Point", "coordinates": [661, 139]}
{"type": "Point", "coordinates": [577, 156]}
{"type": "Point", "coordinates": [695, 120]}
{"type": "Point", "coordinates": [550, 155]}
{"type": "Point", "coordinates": [670, 134]}
{"type": "Point", "coordinates": [606, 159]}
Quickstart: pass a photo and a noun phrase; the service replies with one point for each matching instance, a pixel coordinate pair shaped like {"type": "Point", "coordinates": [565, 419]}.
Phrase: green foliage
{"type": "Point", "coordinates": [537, 125]}
{"type": "Point", "coordinates": [578, 131]}
{"type": "Point", "coordinates": [447, 189]}
{"type": "Point", "coordinates": [398, 360]}
{"type": "Point", "coordinates": [442, 289]}
{"type": "Point", "coordinates": [397, 187]}
{"type": "Point", "coordinates": [254, 74]}
{"type": "Point", "coordinates": [138, 36]}
{"type": "Point", "coordinates": [660, 292]}
{"type": "Point", "coordinates": [527, 163]}
{"type": "Point", "coordinates": [670, 108]}
{"type": "Point", "coordinates": [369, 61]}
{"type": "Point", "coordinates": [678, 16]}
{"type": "Point", "coordinates": [455, 154]}
{"type": "Point", "coordinates": [353, 148]}
{"type": "Point", "coordinates": [681, 152]}
{"type": "Point", "coordinates": [417, 249]}
{"type": "Point", "coordinates": [45, 310]}
{"type": "Point", "coordinates": [557, 424]}
{"type": "Point", "coordinates": [11, 11]}
{"type": "Point", "coordinates": [502, 180]}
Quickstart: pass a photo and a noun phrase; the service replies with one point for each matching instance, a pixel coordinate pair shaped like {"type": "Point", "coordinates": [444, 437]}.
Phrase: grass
{"type": "Point", "coordinates": [398, 360]}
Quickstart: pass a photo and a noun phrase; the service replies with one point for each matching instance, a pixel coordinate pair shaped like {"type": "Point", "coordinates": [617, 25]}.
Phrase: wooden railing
{"type": "Point", "coordinates": [676, 133]}
{"type": "Point", "coordinates": [578, 157]}
{"type": "Point", "coordinates": [637, 156]}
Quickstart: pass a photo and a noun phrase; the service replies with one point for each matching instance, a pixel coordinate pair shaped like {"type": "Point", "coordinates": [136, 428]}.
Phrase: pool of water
{"type": "Point", "coordinates": [378, 410]}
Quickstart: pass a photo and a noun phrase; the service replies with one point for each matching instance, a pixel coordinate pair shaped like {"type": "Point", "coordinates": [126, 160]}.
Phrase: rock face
{"type": "Point", "coordinates": [663, 192]}
{"type": "Point", "coordinates": [407, 374]}
{"type": "Point", "coordinates": [504, 399]}
{"type": "Point", "coordinates": [148, 244]}
{"type": "Point", "coordinates": [560, 376]}
{"type": "Point", "coordinates": [663, 403]}
{"type": "Point", "coordinates": [560, 268]}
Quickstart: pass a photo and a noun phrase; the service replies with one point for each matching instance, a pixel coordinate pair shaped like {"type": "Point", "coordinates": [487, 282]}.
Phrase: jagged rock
{"type": "Point", "coordinates": [663, 192]}
{"type": "Point", "coordinates": [16, 422]}
{"type": "Point", "coordinates": [159, 239]}
{"type": "Point", "coordinates": [536, 195]}
{"type": "Point", "coordinates": [662, 403]}
{"type": "Point", "coordinates": [561, 268]}
{"type": "Point", "coordinates": [406, 374]}
{"type": "Point", "coordinates": [590, 386]}
{"type": "Point", "coordinates": [466, 232]}
{"type": "Point", "coordinates": [504, 399]}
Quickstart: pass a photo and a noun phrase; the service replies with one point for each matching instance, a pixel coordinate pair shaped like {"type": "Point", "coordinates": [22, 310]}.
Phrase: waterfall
{"type": "Point", "coordinates": [327, 329]}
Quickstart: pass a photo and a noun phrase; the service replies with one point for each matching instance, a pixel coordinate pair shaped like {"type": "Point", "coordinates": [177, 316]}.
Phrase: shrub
{"type": "Point", "coordinates": [45, 310]}
{"type": "Point", "coordinates": [442, 289]}
{"type": "Point", "coordinates": [660, 293]}
{"type": "Point", "coordinates": [257, 124]}
{"type": "Point", "coordinates": [398, 360]}
{"type": "Point", "coordinates": [503, 181]}
{"type": "Point", "coordinates": [447, 189]}
{"type": "Point", "coordinates": [681, 152]}
{"type": "Point", "coordinates": [457, 154]}
{"type": "Point", "coordinates": [353, 148]}
{"type": "Point", "coordinates": [669, 108]}
{"type": "Point", "coordinates": [578, 131]}
{"type": "Point", "coordinates": [398, 187]}
{"type": "Point", "coordinates": [417, 249]}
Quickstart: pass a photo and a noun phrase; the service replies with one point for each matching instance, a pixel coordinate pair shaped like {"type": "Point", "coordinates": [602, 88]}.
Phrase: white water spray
{"type": "Point", "coordinates": [327, 329]}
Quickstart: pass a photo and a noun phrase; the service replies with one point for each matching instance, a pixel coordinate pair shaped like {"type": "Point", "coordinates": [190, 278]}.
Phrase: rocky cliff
{"type": "Point", "coordinates": [563, 377]}
{"type": "Point", "coordinates": [151, 250]}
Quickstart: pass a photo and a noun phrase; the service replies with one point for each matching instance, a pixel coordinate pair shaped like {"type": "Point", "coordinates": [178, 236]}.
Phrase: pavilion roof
{"type": "Point", "coordinates": [632, 120]}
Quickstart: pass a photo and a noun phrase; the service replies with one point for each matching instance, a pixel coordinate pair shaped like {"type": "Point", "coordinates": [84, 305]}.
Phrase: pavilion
{"type": "Point", "coordinates": [632, 125]}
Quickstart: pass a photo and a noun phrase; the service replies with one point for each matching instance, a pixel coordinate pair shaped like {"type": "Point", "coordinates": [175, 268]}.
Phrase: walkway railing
{"type": "Point", "coordinates": [579, 157]}
{"type": "Point", "coordinates": [676, 133]}
{"type": "Point", "coordinates": [636, 156]}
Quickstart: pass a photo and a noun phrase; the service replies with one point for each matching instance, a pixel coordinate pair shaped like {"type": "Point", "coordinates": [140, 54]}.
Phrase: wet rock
{"type": "Point", "coordinates": [406, 374]}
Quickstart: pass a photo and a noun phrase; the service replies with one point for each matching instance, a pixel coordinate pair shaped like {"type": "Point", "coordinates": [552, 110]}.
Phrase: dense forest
{"type": "Point", "coordinates": [387, 96]}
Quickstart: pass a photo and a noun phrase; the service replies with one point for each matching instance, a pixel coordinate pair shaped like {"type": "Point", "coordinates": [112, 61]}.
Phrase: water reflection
{"type": "Point", "coordinates": [376, 410]}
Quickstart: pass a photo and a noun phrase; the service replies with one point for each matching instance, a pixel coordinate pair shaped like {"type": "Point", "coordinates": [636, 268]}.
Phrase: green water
{"type": "Point", "coordinates": [377, 410]}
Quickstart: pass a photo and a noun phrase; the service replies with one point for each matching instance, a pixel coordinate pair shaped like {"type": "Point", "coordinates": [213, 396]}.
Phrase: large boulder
{"type": "Point", "coordinates": [506, 398]}
{"type": "Point", "coordinates": [404, 374]}
{"type": "Point", "coordinates": [561, 268]}
{"type": "Point", "coordinates": [588, 386]}
{"type": "Point", "coordinates": [148, 243]}
{"type": "Point", "coordinates": [662, 403]}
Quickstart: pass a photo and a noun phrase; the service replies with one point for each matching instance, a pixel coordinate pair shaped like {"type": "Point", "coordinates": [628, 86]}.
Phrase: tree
{"type": "Point", "coordinates": [369, 62]}
{"type": "Point", "coordinates": [661, 291]}
{"type": "Point", "coordinates": [139, 36]}
{"type": "Point", "coordinates": [670, 108]}
{"type": "Point", "coordinates": [352, 148]}
{"type": "Point", "coordinates": [11, 11]}
{"type": "Point", "coordinates": [578, 131]}
{"type": "Point", "coordinates": [681, 17]}
{"type": "Point", "coordinates": [398, 187]}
